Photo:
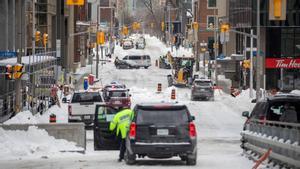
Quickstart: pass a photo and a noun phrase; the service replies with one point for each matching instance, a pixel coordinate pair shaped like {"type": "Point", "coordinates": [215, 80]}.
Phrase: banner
{"type": "Point", "coordinates": [277, 63]}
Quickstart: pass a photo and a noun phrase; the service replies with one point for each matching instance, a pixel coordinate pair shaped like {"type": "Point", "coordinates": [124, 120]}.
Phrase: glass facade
{"type": "Point", "coordinates": [281, 38]}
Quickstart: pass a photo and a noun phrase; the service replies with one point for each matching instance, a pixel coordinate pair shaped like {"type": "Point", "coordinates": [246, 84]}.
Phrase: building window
{"type": "Point", "coordinates": [210, 22]}
{"type": "Point", "coordinates": [211, 3]}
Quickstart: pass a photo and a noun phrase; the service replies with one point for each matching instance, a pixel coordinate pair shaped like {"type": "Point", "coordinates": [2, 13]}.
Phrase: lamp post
{"type": "Point", "coordinates": [203, 46]}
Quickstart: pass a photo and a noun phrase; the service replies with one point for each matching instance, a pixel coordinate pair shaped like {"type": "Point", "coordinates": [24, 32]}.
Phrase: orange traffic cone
{"type": "Point", "coordinates": [173, 94]}
{"type": "Point", "coordinates": [159, 88]}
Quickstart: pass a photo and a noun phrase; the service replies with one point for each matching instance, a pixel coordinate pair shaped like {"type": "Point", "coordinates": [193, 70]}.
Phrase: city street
{"type": "Point", "coordinates": [218, 124]}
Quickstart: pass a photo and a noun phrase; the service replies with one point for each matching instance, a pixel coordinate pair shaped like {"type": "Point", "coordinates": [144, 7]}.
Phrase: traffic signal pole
{"type": "Point", "coordinates": [97, 45]}
{"type": "Point", "coordinates": [259, 60]}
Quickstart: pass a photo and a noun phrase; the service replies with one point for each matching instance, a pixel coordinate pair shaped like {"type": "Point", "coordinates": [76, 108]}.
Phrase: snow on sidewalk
{"type": "Point", "coordinates": [26, 117]}
{"type": "Point", "coordinates": [34, 143]}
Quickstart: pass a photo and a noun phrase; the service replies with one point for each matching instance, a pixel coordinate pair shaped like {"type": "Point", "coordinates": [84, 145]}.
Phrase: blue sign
{"type": "Point", "coordinates": [8, 54]}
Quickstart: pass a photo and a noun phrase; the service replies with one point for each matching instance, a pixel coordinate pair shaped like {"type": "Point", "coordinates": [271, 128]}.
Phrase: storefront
{"type": "Point", "coordinates": [289, 72]}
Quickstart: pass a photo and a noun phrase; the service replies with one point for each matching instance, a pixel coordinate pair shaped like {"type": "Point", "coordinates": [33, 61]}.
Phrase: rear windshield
{"type": "Point", "coordinates": [86, 97]}
{"type": "Point", "coordinates": [162, 116]}
{"type": "Point", "coordinates": [203, 83]}
{"type": "Point", "coordinates": [117, 94]}
{"type": "Point", "coordinates": [284, 111]}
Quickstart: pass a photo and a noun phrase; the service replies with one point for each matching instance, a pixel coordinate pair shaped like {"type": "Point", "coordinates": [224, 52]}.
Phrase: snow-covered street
{"type": "Point", "coordinates": [218, 122]}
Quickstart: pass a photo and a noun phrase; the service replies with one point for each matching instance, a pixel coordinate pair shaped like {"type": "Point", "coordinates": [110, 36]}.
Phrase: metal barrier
{"type": "Point", "coordinates": [282, 138]}
{"type": "Point", "coordinates": [73, 132]}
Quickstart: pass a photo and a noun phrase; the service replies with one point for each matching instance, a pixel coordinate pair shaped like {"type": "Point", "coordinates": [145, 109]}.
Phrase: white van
{"type": "Point", "coordinates": [137, 61]}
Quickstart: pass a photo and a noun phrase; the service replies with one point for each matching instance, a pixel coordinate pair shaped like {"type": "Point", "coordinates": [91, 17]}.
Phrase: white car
{"type": "Point", "coordinates": [82, 106]}
{"type": "Point", "coordinates": [138, 61]}
{"type": "Point", "coordinates": [128, 44]}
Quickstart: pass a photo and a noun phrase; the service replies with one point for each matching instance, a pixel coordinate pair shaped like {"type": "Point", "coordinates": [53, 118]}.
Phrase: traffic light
{"type": "Point", "coordinates": [162, 26]}
{"type": "Point", "coordinates": [195, 25]}
{"type": "Point", "coordinates": [125, 30]}
{"type": "Point", "coordinates": [224, 27]}
{"type": "Point", "coordinates": [75, 2]}
{"type": "Point", "coordinates": [18, 71]}
{"type": "Point", "coordinates": [246, 64]}
{"type": "Point", "coordinates": [9, 72]}
{"type": "Point", "coordinates": [45, 39]}
{"type": "Point", "coordinates": [37, 36]}
{"type": "Point", "coordinates": [100, 38]}
{"type": "Point", "coordinates": [277, 8]}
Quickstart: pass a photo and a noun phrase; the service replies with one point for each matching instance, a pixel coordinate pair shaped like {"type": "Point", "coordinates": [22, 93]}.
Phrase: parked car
{"type": "Point", "coordinates": [117, 97]}
{"type": "Point", "coordinates": [162, 130]}
{"type": "Point", "coordinates": [202, 89]}
{"type": "Point", "coordinates": [81, 107]}
{"type": "Point", "coordinates": [140, 43]}
{"type": "Point", "coordinates": [128, 44]}
{"type": "Point", "coordinates": [281, 107]}
{"type": "Point", "coordinates": [138, 61]}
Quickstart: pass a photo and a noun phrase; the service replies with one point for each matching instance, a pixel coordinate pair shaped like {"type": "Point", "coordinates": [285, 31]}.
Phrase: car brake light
{"type": "Point", "coordinates": [192, 130]}
{"type": "Point", "coordinates": [132, 131]}
{"type": "Point", "coordinates": [70, 109]}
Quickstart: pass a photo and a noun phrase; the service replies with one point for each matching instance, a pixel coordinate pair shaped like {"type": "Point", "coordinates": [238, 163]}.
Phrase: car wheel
{"type": "Point", "coordinates": [183, 158]}
{"type": "Point", "coordinates": [130, 159]}
{"type": "Point", "coordinates": [146, 67]}
{"type": "Point", "coordinates": [191, 159]}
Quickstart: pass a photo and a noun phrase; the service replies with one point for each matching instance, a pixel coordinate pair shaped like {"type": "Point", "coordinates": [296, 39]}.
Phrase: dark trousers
{"type": "Point", "coordinates": [122, 148]}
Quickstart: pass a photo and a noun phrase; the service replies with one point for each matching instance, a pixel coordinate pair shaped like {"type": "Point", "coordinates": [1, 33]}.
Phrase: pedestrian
{"type": "Point", "coordinates": [120, 124]}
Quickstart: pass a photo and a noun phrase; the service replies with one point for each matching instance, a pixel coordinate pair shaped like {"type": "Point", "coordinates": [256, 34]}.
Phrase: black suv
{"type": "Point", "coordinates": [281, 107]}
{"type": "Point", "coordinates": [162, 130]}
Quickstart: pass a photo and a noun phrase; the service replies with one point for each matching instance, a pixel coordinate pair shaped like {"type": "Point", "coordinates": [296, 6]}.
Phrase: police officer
{"type": "Point", "coordinates": [121, 123]}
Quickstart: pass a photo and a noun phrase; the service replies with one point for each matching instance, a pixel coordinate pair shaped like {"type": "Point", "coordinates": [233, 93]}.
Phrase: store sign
{"type": "Point", "coordinates": [272, 63]}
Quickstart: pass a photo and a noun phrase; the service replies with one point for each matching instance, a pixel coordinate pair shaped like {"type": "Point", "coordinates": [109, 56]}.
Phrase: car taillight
{"type": "Point", "coordinates": [70, 109]}
{"type": "Point", "coordinates": [132, 131]}
{"type": "Point", "coordinates": [192, 130]}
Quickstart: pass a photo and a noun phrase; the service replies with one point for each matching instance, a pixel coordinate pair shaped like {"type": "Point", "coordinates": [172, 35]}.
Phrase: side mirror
{"type": "Point", "coordinates": [193, 118]}
{"type": "Point", "coordinates": [253, 101]}
{"type": "Point", "coordinates": [246, 114]}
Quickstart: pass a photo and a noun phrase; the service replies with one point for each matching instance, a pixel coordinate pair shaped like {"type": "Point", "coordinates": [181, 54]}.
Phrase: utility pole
{"type": "Point", "coordinates": [216, 46]}
{"type": "Point", "coordinates": [251, 64]}
{"type": "Point", "coordinates": [18, 81]}
{"type": "Point", "coordinates": [97, 45]}
{"type": "Point", "coordinates": [259, 71]}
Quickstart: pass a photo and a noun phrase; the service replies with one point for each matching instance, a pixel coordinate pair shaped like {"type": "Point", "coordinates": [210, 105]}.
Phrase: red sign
{"type": "Point", "coordinates": [274, 63]}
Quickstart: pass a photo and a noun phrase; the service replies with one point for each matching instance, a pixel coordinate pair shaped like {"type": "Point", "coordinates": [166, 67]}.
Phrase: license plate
{"type": "Point", "coordinates": [202, 90]}
{"type": "Point", "coordinates": [162, 132]}
{"type": "Point", "coordinates": [87, 117]}
{"type": "Point", "coordinates": [117, 102]}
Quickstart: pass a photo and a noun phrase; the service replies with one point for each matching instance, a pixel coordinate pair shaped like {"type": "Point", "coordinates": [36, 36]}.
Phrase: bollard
{"type": "Point", "coordinates": [52, 118]}
{"type": "Point", "coordinates": [173, 94]}
{"type": "Point", "coordinates": [158, 87]}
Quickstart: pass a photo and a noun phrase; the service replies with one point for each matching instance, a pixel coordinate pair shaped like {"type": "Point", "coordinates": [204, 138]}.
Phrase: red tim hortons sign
{"type": "Point", "coordinates": [275, 63]}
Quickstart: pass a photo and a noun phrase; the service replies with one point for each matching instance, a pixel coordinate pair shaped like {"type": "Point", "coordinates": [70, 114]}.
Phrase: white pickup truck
{"type": "Point", "coordinates": [82, 105]}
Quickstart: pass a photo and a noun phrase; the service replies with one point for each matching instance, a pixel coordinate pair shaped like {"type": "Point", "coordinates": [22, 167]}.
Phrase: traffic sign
{"type": "Point", "coordinates": [7, 54]}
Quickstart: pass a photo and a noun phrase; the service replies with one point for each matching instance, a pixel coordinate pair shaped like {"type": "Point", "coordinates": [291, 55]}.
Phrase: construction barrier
{"type": "Point", "coordinates": [281, 137]}
{"type": "Point", "coordinates": [235, 93]}
{"type": "Point", "coordinates": [159, 88]}
{"type": "Point", "coordinates": [52, 118]}
{"type": "Point", "coordinates": [173, 94]}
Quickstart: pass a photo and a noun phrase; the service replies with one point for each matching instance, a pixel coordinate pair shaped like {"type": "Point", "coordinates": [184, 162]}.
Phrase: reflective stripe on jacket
{"type": "Point", "coordinates": [122, 121]}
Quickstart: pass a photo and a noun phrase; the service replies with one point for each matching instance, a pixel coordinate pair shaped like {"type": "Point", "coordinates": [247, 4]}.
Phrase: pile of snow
{"type": "Point", "coordinates": [26, 117]}
{"type": "Point", "coordinates": [296, 92]}
{"type": "Point", "coordinates": [182, 52]}
{"type": "Point", "coordinates": [32, 143]}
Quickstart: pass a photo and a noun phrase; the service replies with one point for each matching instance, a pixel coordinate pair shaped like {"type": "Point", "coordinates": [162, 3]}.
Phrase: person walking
{"type": "Point", "coordinates": [121, 123]}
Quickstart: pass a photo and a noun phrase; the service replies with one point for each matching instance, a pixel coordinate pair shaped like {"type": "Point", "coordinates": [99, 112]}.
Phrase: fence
{"type": "Point", "coordinates": [282, 138]}
{"type": "Point", "coordinates": [41, 70]}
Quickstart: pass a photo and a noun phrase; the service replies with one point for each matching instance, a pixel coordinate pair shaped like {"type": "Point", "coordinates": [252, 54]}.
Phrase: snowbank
{"type": "Point", "coordinates": [296, 92]}
{"type": "Point", "coordinates": [32, 143]}
{"type": "Point", "coordinates": [26, 117]}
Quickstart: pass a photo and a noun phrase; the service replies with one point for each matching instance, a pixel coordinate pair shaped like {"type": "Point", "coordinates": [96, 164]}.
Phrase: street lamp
{"type": "Point", "coordinates": [203, 46]}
